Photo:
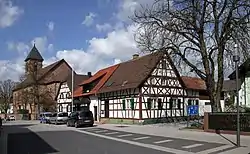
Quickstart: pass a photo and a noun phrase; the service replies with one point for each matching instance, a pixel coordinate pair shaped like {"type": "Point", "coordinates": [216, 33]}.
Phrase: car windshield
{"type": "Point", "coordinates": [62, 114]}
{"type": "Point", "coordinates": [86, 114]}
{"type": "Point", "coordinates": [48, 115]}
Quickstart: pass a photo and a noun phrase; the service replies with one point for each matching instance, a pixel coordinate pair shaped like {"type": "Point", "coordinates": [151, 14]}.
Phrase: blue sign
{"type": "Point", "coordinates": [193, 109]}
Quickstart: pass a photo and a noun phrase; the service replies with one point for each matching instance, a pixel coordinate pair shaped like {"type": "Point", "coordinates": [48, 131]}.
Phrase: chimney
{"type": "Point", "coordinates": [135, 56]}
{"type": "Point", "coordinates": [89, 74]}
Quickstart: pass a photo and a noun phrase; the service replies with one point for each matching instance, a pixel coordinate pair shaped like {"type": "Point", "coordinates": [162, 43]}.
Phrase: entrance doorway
{"type": "Point", "coordinates": [95, 113]}
{"type": "Point", "coordinates": [106, 108]}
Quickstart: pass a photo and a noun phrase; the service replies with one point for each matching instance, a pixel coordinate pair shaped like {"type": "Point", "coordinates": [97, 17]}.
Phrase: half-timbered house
{"type": "Point", "coordinates": [148, 87]}
{"type": "Point", "coordinates": [64, 97]}
{"type": "Point", "coordinates": [87, 90]}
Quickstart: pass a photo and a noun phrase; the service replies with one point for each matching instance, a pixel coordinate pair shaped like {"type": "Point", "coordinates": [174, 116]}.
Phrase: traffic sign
{"type": "Point", "coordinates": [193, 109]}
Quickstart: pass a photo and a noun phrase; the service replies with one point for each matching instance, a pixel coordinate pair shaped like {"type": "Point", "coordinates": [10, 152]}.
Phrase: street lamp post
{"type": "Point", "coordinates": [236, 59]}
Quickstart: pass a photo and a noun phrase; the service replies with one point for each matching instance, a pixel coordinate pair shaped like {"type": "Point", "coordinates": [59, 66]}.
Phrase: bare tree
{"type": "Point", "coordinates": [34, 92]}
{"type": "Point", "coordinates": [200, 33]}
{"type": "Point", "coordinates": [6, 88]}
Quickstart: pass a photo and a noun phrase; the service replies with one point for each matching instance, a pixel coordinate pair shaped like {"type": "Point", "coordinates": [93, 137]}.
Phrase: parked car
{"type": "Point", "coordinates": [1, 122]}
{"type": "Point", "coordinates": [11, 118]}
{"type": "Point", "coordinates": [59, 118]}
{"type": "Point", "coordinates": [80, 118]}
{"type": "Point", "coordinates": [45, 117]}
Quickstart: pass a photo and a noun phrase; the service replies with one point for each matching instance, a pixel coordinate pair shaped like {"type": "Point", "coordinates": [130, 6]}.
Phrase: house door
{"type": "Point", "coordinates": [106, 108]}
{"type": "Point", "coordinates": [95, 113]}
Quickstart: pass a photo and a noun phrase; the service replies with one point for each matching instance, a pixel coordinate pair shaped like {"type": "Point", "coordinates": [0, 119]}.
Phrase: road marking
{"type": "Point", "coordinates": [155, 147]}
{"type": "Point", "coordinates": [163, 141]}
{"type": "Point", "coordinates": [93, 129]}
{"type": "Point", "coordinates": [192, 146]}
{"type": "Point", "coordinates": [101, 131]}
{"type": "Point", "coordinates": [215, 149]}
{"type": "Point", "coordinates": [111, 133]}
{"type": "Point", "coordinates": [141, 138]}
{"type": "Point", "coordinates": [124, 135]}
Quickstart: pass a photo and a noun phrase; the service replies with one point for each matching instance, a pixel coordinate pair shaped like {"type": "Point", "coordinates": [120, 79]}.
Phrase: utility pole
{"type": "Point", "coordinates": [236, 59]}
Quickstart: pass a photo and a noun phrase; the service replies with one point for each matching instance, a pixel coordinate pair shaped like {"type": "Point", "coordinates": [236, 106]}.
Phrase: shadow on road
{"type": "Point", "coordinates": [23, 141]}
{"type": "Point", "coordinates": [228, 139]}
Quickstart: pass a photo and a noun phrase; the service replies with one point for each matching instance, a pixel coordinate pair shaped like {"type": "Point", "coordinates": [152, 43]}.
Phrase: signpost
{"type": "Point", "coordinates": [192, 110]}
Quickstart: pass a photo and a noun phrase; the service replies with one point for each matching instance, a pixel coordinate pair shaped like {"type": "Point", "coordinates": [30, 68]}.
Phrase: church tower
{"type": "Point", "coordinates": [33, 62]}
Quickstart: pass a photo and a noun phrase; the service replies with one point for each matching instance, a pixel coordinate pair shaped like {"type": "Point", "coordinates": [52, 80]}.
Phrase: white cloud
{"type": "Point", "coordinates": [50, 47]}
{"type": "Point", "coordinates": [41, 43]}
{"type": "Point", "coordinates": [8, 13]}
{"type": "Point", "coordinates": [127, 8]}
{"type": "Point", "coordinates": [20, 47]}
{"type": "Point", "coordinates": [117, 46]}
{"type": "Point", "coordinates": [104, 27]}
{"type": "Point", "coordinates": [102, 52]}
{"type": "Point", "coordinates": [51, 25]}
{"type": "Point", "coordinates": [89, 19]}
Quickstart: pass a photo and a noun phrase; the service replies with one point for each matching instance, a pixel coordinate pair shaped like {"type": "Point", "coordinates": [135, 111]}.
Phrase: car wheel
{"type": "Point", "coordinates": [76, 125]}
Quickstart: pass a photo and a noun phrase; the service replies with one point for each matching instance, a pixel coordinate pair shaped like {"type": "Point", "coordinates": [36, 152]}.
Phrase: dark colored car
{"type": "Point", "coordinates": [80, 118]}
{"type": "Point", "coordinates": [1, 122]}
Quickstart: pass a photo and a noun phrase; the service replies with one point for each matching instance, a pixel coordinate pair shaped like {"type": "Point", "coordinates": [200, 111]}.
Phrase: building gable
{"type": "Point", "coordinates": [164, 75]}
{"type": "Point", "coordinates": [59, 73]}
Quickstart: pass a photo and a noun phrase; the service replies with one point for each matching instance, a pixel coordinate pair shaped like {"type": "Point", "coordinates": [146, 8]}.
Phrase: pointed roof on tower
{"type": "Point", "coordinates": [34, 55]}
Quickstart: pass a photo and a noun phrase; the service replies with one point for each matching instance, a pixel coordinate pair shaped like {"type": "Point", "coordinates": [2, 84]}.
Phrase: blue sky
{"type": "Point", "coordinates": [67, 17]}
{"type": "Point", "coordinates": [88, 34]}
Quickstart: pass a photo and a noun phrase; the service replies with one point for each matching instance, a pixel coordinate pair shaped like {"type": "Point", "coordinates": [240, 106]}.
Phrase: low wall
{"type": "Point", "coordinates": [17, 116]}
{"type": "Point", "coordinates": [226, 122]}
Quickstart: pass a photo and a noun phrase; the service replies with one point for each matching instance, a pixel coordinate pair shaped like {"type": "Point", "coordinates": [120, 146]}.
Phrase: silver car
{"type": "Point", "coordinates": [59, 118]}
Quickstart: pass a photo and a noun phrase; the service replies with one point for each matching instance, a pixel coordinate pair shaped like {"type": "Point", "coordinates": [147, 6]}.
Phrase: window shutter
{"type": "Point", "coordinates": [123, 104]}
{"type": "Point", "coordinates": [149, 103]}
{"type": "Point", "coordinates": [170, 103]}
{"type": "Point", "coordinates": [197, 102]}
{"type": "Point", "coordinates": [132, 103]}
{"type": "Point", "coordinates": [159, 104]}
{"type": "Point", "coordinates": [179, 103]}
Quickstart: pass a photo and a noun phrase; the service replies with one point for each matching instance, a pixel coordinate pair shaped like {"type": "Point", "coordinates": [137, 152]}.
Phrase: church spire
{"type": "Point", "coordinates": [34, 54]}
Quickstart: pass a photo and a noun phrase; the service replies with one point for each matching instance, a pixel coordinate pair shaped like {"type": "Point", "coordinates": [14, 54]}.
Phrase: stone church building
{"type": "Point", "coordinates": [38, 88]}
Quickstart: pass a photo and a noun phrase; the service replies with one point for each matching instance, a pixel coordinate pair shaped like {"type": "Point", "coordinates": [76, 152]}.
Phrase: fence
{"type": "Point", "coordinates": [226, 121]}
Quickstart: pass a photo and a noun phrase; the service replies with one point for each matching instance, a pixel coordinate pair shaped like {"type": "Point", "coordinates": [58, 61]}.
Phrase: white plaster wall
{"type": "Point", "coordinates": [244, 93]}
{"type": "Point", "coordinates": [127, 113]}
{"type": "Point", "coordinates": [94, 102]}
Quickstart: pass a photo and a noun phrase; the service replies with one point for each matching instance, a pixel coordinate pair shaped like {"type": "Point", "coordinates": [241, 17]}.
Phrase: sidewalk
{"type": "Point", "coordinates": [171, 131]}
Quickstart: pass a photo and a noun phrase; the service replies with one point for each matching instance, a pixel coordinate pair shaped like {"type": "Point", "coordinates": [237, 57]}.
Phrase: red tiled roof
{"type": "Point", "coordinates": [194, 83]}
{"type": "Point", "coordinates": [103, 75]}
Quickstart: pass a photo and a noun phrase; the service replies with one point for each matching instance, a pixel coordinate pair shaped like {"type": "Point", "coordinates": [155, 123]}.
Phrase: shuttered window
{"type": "Point", "coordinates": [132, 104]}
{"type": "Point", "coordinates": [159, 104]}
{"type": "Point", "coordinates": [123, 104]}
{"type": "Point", "coordinates": [149, 103]}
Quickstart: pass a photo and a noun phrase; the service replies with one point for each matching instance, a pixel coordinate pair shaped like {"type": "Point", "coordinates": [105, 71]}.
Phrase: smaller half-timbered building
{"type": "Point", "coordinates": [64, 97]}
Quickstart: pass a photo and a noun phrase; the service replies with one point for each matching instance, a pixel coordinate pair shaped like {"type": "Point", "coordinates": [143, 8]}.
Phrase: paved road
{"type": "Point", "coordinates": [23, 141]}
{"type": "Point", "coordinates": [35, 138]}
{"type": "Point", "coordinates": [168, 142]}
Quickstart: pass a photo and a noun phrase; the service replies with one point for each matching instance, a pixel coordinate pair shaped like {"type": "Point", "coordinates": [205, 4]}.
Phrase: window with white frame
{"type": "Point", "coordinates": [193, 102]}
{"type": "Point", "coordinates": [173, 103]}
